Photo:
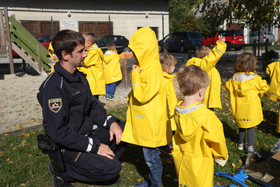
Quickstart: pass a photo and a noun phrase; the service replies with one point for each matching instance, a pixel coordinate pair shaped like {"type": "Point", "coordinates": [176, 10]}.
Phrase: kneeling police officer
{"type": "Point", "coordinates": [84, 141]}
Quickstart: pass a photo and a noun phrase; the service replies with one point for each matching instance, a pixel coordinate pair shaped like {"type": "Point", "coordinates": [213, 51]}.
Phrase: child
{"type": "Point", "coordinates": [112, 70]}
{"type": "Point", "coordinates": [53, 56]}
{"type": "Point", "coordinates": [207, 59]}
{"type": "Point", "coordinates": [93, 66]}
{"type": "Point", "coordinates": [246, 89]}
{"type": "Point", "coordinates": [168, 63]}
{"type": "Point", "coordinates": [199, 137]}
{"type": "Point", "coordinates": [273, 70]}
{"type": "Point", "coordinates": [147, 113]}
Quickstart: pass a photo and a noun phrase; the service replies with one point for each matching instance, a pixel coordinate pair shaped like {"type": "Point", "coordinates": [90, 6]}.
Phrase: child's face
{"type": "Point", "coordinates": [170, 69]}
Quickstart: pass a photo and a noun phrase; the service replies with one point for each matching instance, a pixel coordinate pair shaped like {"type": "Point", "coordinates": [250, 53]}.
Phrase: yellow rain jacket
{"type": "Point", "coordinates": [273, 70]}
{"type": "Point", "coordinates": [199, 140]}
{"type": "Point", "coordinates": [171, 98]}
{"type": "Point", "coordinates": [212, 94]}
{"type": "Point", "coordinates": [112, 67]}
{"type": "Point", "coordinates": [94, 70]}
{"type": "Point", "coordinates": [147, 114]}
{"type": "Point", "coordinates": [51, 49]}
{"type": "Point", "coordinates": [245, 97]}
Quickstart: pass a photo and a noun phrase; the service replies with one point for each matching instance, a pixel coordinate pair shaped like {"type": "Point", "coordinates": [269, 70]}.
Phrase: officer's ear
{"type": "Point", "coordinates": [65, 56]}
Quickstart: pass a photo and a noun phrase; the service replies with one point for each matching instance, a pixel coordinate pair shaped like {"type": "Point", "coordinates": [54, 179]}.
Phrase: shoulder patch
{"type": "Point", "coordinates": [55, 104]}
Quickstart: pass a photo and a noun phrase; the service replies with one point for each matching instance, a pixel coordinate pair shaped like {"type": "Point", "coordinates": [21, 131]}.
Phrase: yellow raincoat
{"type": "Point", "coordinates": [112, 67]}
{"type": "Point", "coordinates": [147, 114]}
{"type": "Point", "coordinates": [199, 140]}
{"type": "Point", "coordinates": [245, 97]}
{"type": "Point", "coordinates": [273, 70]}
{"type": "Point", "coordinates": [51, 49]}
{"type": "Point", "coordinates": [171, 98]}
{"type": "Point", "coordinates": [212, 94]}
{"type": "Point", "coordinates": [94, 70]}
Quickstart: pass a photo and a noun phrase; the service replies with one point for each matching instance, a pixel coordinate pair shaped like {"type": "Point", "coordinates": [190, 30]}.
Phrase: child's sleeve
{"type": "Point", "coordinates": [214, 56]}
{"type": "Point", "coordinates": [215, 138]}
{"type": "Point", "coordinates": [263, 86]}
{"type": "Point", "coordinates": [146, 87]}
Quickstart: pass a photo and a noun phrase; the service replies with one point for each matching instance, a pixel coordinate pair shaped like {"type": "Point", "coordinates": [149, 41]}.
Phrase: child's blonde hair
{"type": "Point", "coordinates": [202, 52]}
{"type": "Point", "coordinates": [191, 79]}
{"type": "Point", "coordinates": [111, 46]}
{"type": "Point", "coordinates": [90, 36]}
{"type": "Point", "coordinates": [245, 62]}
{"type": "Point", "coordinates": [167, 60]}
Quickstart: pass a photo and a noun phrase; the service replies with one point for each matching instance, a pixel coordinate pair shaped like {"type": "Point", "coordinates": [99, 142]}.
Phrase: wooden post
{"type": "Point", "coordinates": [2, 34]}
{"type": "Point", "coordinates": [8, 42]}
{"type": "Point", "coordinates": [39, 59]}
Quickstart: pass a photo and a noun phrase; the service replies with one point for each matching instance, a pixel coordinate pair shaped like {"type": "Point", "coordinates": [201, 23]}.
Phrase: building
{"type": "Point", "coordinates": [109, 17]}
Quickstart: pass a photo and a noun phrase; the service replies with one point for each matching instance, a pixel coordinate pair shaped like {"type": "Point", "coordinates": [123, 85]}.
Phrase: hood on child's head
{"type": "Point", "coordinates": [144, 45]}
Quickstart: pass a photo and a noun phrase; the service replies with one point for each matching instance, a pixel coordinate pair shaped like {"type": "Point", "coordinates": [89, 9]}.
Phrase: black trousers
{"type": "Point", "coordinates": [93, 168]}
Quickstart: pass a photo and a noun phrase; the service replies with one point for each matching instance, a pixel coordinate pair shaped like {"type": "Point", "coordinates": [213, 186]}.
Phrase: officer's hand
{"type": "Point", "coordinates": [104, 150]}
{"type": "Point", "coordinates": [116, 130]}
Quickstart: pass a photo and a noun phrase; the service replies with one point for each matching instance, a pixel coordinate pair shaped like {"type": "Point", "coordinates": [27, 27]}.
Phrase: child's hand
{"type": "Point", "coordinates": [222, 38]}
{"type": "Point", "coordinates": [134, 67]}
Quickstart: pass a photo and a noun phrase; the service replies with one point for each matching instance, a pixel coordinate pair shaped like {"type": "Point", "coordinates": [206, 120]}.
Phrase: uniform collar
{"type": "Point", "coordinates": [68, 76]}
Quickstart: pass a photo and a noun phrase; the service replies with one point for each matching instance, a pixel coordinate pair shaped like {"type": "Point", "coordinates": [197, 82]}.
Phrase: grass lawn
{"type": "Point", "coordinates": [22, 164]}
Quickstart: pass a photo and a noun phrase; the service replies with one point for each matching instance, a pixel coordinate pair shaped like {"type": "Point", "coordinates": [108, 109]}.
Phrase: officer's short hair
{"type": "Point", "coordinates": [191, 79]}
{"type": "Point", "coordinates": [66, 40]}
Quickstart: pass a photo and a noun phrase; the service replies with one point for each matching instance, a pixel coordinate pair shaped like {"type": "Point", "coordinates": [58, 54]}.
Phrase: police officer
{"type": "Point", "coordinates": [72, 118]}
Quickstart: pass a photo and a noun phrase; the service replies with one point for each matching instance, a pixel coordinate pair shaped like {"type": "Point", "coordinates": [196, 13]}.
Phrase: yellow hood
{"type": "Point", "coordinates": [145, 47]}
{"type": "Point", "coordinates": [243, 83]}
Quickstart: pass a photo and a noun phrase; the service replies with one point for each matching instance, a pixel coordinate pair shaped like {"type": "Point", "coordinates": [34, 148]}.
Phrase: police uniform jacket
{"type": "Point", "coordinates": [70, 112]}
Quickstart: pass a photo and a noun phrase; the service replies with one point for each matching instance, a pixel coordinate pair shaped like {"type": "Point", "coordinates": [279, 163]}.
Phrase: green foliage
{"type": "Point", "coordinates": [182, 17]}
{"type": "Point", "coordinates": [255, 13]}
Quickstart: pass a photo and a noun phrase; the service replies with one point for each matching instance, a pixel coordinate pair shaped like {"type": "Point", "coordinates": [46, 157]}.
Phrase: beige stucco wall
{"type": "Point", "coordinates": [124, 22]}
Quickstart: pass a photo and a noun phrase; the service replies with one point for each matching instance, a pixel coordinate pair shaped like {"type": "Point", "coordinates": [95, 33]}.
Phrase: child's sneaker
{"type": "Point", "coordinates": [250, 149]}
{"type": "Point", "coordinates": [107, 96]}
{"type": "Point", "coordinates": [112, 98]}
{"type": "Point", "coordinates": [240, 146]}
{"type": "Point", "coordinates": [142, 184]}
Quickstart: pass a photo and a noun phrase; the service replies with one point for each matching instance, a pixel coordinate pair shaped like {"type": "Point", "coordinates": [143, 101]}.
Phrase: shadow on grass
{"type": "Point", "coordinates": [268, 125]}
{"type": "Point", "coordinates": [134, 155]}
{"type": "Point", "coordinates": [230, 132]}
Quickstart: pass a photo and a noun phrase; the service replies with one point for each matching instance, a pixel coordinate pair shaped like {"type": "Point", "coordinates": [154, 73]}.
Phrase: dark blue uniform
{"type": "Point", "coordinates": [75, 120]}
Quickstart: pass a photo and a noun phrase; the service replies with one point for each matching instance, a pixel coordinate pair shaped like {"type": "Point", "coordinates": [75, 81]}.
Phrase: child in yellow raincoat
{"type": "Point", "coordinates": [93, 67]}
{"type": "Point", "coordinates": [199, 138]}
{"type": "Point", "coordinates": [273, 70]}
{"type": "Point", "coordinates": [168, 63]}
{"type": "Point", "coordinates": [53, 56]}
{"type": "Point", "coordinates": [246, 89]}
{"type": "Point", "coordinates": [207, 59]}
{"type": "Point", "coordinates": [147, 113]}
{"type": "Point", "coordinates": [112, 70]}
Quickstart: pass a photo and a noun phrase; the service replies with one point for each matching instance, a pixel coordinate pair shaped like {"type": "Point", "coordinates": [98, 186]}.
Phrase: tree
{"type": "Point", "coordinates": [182, 18]}
{"type": "Point", "coordinates": [254, 13]}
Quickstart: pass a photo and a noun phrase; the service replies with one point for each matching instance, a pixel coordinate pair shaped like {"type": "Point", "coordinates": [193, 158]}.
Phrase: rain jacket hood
{"type": "Point", "coordinates": [144, 45]}
{"type": "Point", "coordinates": [147, 121]}
{"type": "Point", "coordinates": [245, 98]}
{"type": "Point", "coordinates": [199, 140]}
